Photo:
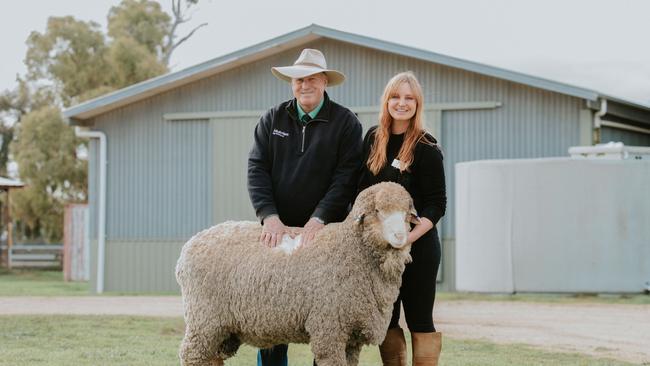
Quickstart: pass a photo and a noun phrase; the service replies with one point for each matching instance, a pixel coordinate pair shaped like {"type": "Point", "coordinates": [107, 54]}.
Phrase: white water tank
{"type": "Point", "coordinates": [553, 225]}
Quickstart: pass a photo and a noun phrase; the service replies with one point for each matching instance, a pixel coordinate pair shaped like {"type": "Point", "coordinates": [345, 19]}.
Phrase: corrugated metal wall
{"type": "Point", "coordinates": [161, 182]}
{"type": "Point", "coordinates": [159, 175]}
{"type": "Point", "coordinates": [629, 138]}
{"type": "Point", "coordinates": [233, 138]}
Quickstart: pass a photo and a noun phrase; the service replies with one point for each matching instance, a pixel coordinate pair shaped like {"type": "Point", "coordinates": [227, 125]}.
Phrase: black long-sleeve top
{"type": "Point", "coordinates": [424, 180]}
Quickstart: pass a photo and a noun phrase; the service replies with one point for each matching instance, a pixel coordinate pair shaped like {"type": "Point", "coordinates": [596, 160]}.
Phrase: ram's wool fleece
{"type": "Point", "coordinates": [337, 293]}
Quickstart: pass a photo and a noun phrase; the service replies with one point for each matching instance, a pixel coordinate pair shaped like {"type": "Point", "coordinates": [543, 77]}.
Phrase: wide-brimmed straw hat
{"type": "Point", "coordinates": [310, 62]}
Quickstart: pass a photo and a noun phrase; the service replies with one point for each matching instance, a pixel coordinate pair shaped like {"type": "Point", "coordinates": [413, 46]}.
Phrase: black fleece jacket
{"type": "Point", "coordinates": [299, 170]}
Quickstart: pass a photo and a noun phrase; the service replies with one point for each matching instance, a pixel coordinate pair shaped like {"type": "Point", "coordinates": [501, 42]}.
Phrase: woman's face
{"type": "Point", "coordinates": [402, 104]}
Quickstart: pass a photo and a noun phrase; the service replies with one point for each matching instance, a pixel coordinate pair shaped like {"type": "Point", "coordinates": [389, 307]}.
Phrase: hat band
{"type": "Point", "coordinates": [309, 64]}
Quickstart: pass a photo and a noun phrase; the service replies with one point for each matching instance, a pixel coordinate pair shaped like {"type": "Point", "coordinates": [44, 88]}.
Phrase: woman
{"type": "Point", "coordinates": [399, 150]}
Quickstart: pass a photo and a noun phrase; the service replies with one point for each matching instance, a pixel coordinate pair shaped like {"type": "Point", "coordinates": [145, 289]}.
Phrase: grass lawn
{"type": "Point", "coordinates": [124, 340]}
{"type": "Point", "coordinates": [19, 282]}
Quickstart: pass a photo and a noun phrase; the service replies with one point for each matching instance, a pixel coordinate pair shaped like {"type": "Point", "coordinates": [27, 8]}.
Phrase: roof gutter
{"type": "Point", "coordinates": [101, 221]}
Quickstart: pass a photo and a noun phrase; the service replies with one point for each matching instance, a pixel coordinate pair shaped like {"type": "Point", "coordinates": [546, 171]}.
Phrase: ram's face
{"type": "Point", "coordinates": [394, 227]}
{"type": "Point", "coordinates": [385, 211]}
{"type": "Point", "coordinates": [394, 212]}
{"type": "Point", "coordinates": [395, 222]}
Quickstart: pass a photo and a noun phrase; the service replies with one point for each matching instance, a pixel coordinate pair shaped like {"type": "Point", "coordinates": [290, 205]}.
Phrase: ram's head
{"type": "Point", "coordinates": [385, 212]}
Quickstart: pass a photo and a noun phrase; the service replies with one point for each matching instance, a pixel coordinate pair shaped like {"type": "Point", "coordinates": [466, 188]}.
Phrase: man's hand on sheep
{"type": "Point", "coordinates": [272, 231]}
{"type": "Point", "coordinates": [309, 231]}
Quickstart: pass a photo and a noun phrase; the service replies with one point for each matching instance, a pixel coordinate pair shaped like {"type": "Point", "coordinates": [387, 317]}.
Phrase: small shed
{"type": "Point", "coordinates": [171, 151]}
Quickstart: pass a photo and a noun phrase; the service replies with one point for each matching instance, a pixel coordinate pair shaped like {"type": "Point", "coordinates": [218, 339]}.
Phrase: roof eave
{"type": "Point", "coordinates": [77, 114]}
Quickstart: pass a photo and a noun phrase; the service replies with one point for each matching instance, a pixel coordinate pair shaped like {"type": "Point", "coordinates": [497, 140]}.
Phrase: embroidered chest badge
{"type": "Point", "coordinates": [396, 164]}
{"type": "Point", "coordinates": [280, 133]}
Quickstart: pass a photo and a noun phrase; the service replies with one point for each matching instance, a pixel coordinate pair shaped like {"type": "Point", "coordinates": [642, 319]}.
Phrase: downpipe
{"type": "Point", "coordinates": [597, 122]}
{"type": "Point", "coordinates": [84, 132]}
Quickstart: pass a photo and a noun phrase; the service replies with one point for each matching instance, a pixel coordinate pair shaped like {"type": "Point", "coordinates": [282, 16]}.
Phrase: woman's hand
{"type": "Point", "coordinates": [419, 230]}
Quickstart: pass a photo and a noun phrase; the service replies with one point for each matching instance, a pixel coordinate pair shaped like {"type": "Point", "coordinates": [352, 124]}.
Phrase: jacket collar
{"type": "Point", "coordinates": [322, 116]}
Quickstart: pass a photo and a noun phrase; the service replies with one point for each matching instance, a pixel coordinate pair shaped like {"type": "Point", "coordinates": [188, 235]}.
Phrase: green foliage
{"type": "Point", "coordinates": [71, 54]}
{"type": "Point", "coordinates": [46, 153]}
{"type": "Point", "coordinates": [142, 21]}
{"type": "Point", "coordinates": [70, 62]}
{"type": "Point", "coordinates": [132, 62]}
{"type": "Point", "coordinates": [77, 60]}
{"type": "Point", "coordinates": [13, 105]}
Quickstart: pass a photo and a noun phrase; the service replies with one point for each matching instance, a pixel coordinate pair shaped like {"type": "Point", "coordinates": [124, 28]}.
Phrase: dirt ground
{"type": "Point", "coordinates": [605, 330]}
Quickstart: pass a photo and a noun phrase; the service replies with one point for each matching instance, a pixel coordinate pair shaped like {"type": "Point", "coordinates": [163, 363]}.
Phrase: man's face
{"type": "Point", "coordinates": [309, 90]}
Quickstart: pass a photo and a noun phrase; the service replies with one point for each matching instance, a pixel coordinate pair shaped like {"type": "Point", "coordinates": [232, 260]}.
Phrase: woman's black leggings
{"type": "Point", "coordinates": [418, 290]}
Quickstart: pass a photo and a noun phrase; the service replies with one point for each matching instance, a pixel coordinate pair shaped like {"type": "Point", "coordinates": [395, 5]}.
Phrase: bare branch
{"type": "Point", "coordinates": [168, 54]}
{"type": "Point", "coordinates": [180, 17]}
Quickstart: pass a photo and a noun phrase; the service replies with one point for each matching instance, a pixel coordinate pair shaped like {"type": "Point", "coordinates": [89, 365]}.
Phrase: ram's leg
{"type": "Point", "coordinates": [352, 353]}
{"type": "Point", "coordinates": [328, 352]}
{"type": "Point", "coordinates": [200, 347]}
{"type": "Point", "coordinates": [228, 347]}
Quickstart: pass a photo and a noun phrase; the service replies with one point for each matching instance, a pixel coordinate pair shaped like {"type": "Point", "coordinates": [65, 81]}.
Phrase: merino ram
{"type": "Point", "coordinates": [336, 293]}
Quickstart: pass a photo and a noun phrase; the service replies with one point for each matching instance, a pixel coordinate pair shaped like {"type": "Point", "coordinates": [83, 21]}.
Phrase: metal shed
{"type": "Point", "coordinates": [176, 145]}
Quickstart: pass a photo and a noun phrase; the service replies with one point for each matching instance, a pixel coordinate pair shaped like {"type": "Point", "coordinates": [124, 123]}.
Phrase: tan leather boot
{"type": "Point", "coordinates": [393, 348]}
{"type": "Point", "coordinates": [426, 348]}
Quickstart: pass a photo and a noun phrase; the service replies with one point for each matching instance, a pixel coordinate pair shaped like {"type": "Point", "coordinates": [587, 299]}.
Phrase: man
{"type": "Point", "coordinates": [302, 168]}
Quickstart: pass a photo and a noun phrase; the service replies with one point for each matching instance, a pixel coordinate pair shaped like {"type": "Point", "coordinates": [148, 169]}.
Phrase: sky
{"type": "Point", "coordinates": [603, 45]}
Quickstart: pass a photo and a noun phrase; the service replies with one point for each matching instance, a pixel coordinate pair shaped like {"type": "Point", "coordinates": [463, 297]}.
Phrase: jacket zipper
{"type": "Point", "coordinates": [302, 147]}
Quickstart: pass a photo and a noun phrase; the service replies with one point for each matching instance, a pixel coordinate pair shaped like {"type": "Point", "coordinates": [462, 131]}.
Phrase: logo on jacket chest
{"type": "Point", "coordinates": [282, 134]}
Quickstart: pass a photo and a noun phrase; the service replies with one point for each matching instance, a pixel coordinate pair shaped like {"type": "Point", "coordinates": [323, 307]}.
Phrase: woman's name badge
{"type": "Point", "coordinates": [396, 164]}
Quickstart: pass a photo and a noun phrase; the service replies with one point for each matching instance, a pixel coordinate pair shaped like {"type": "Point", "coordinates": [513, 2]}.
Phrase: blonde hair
{"type": "Point", "coordinates": [414, 133]}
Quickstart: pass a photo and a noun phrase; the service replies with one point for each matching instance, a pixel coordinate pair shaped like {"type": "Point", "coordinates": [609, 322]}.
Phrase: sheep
{"type": "Point", "coordinates": [336, 293]}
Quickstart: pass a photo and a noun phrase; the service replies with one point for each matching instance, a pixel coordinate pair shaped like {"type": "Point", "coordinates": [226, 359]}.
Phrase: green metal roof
{"type": "Point", "coordinates": [296, 38]}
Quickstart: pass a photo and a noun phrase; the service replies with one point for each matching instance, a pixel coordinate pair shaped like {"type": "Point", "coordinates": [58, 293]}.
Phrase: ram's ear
{"type": "Point", "coordinates": [413, 216]}
{"type": "Point", "coordinates": [362, 206]}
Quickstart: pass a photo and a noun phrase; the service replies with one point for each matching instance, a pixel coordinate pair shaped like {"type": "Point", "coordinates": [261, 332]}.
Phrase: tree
{"type": "Point", "coordinates": [71, 55]}
{"type": "Point", "coordinates": [131, 62]}
{"type": "Point", "coordinates": [70, 62]}
{"type": "Point", "coordinates": [14, 105]}
{"type": "Point", "coordinates": [77, 60]}
{"type": "Point", "coordinates": [50, 169]}
{"type": "Point", "coordinates": [150, 26]}
{"type": "Point", "coordinates": [142, 20]}
{"type": "Point", "coordinates": [180, 17]}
